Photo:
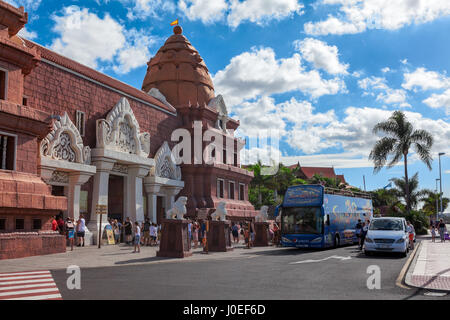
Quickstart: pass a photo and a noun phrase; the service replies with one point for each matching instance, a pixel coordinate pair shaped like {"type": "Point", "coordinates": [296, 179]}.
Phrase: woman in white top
{"type": "Point", "coordinates": [137, 237]}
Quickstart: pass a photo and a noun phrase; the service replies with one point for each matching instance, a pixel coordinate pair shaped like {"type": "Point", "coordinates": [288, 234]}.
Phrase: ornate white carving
{"type": "Point", "coordinates": [178, 210]}
{"type": "Point", "coordinates": [217, 103]}
{"type": "Point", "coordinates": [122, 168]}
{"type": "Point", "coordinates": [59, 177]}
{"type": "Point", "coordinates": [262, 214]}
{"type": "Point", "coordinates": [220, 213]}
{"type": "Point", "coordinates": [120, 131]}
{"type": "Point", "coordinates": [155, 93]}
{"type": "Point", "coordinates": [165, 165]}
{"type": "Point", "coordinates": [64, 142]}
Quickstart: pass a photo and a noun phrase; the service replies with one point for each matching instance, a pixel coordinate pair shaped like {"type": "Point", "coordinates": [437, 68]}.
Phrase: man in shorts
{"type": "Point", "coordinates": [81, 228]}
{"type": "Point", "coordinates": [146, 229]}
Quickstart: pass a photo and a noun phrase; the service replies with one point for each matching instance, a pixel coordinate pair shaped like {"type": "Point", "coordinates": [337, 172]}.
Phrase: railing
{"type": "Point", "coordinates": [348, 193]}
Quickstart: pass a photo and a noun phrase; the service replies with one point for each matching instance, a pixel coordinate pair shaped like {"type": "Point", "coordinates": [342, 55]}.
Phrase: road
{"type": "Point", "coordinates": [281, 274]}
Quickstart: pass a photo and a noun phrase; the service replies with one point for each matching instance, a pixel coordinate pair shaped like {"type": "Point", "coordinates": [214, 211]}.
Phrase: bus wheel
{"type": "Point", "coordinates": [337, 241]}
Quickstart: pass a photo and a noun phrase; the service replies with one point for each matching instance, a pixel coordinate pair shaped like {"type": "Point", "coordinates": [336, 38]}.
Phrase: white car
{"type": "Point", "coordinates": [387, 234]}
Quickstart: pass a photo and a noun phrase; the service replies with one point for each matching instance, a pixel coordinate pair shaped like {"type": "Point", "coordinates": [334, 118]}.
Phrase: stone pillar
{"type": "Point", "coordinates": [134, 182]}
{"type": "Point", "coordinates": [99, 196]}
{"type": "Point", "coordinates": [152, 193]}
{"type": "Point", "coordinates": [76, 180]}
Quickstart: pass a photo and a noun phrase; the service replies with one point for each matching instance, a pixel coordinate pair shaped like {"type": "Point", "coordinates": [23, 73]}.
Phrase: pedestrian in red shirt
{"type": "Point", "coordinates": [54, 224]}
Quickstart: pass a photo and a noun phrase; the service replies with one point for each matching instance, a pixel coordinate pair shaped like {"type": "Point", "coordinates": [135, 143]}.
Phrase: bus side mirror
{"type": "Point", "coordinates": [328, 220]}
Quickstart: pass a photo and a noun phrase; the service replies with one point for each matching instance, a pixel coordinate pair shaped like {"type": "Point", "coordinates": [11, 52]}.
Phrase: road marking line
{"type": "Point", "coordinates": [23, 273]}
{"type": "Point", "coordinates": [39, 297]}
{"type": "Point", "coordinates": [27, 281]}
{"type": "Point", "coordinates": [320, 260]}
{"type": "Point", "coordinates": [33, 285]}
{"type": "Point", "coordinates": [26, 277]}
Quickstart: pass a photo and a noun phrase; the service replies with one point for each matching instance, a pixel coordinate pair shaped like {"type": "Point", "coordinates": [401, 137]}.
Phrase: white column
{"type": "Point", "coordinates": [76, 180]}
{"type": "Point", "coordinates": [134, 182]}
{"type": "Point", "coordinates": [152, 190]}
{"type": "Point", "coordinates": [100, 195]}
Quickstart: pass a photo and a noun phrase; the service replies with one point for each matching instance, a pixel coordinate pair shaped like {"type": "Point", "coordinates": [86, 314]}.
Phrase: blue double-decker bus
{"type": "Point", "coordinates": [317, 217]}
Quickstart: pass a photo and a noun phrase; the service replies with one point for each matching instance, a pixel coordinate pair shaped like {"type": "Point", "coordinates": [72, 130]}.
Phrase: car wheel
{"type": "Point", "coordinates": [367, 253]}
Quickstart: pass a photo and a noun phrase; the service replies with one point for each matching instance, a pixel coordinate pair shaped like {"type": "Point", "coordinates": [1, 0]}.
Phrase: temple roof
{"type": "Point", "coordinates": [179, 73]}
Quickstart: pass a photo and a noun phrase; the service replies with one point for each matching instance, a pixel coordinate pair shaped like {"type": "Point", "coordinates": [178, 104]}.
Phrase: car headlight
{"type": "Point", "coordinates": [369, 240]}
{"type": "Point", "coordinates": [401, 240]}
{"type": "Point", "coordinates": [316, 240]}
{"type": "Point", "coordinates": [285, 239]}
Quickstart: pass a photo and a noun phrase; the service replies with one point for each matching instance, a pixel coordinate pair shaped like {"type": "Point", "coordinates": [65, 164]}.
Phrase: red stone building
{"type": "Point", "coordinates": [72, 137]}
{"type": "Point", "coordinates": [308, 172]}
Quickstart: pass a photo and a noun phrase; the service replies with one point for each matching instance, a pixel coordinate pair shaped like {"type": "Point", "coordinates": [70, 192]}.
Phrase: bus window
{"type": "Point", "coordinates": [302, 220]}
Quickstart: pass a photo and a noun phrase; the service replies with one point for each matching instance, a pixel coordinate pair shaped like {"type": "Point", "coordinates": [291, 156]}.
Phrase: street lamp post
{"type": "Point", "coordinates": [437, 200]}
{"type": "Point", "coordinates": [440, 180]}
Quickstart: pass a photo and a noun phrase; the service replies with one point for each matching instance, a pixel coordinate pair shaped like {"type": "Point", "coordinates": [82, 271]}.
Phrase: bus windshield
{"type": "Point", "coordinates": [302, 220]}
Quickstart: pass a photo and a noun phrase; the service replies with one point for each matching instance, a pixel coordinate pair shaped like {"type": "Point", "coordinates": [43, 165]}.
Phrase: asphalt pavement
{"type": "Point", "coordinates": [281, 274]}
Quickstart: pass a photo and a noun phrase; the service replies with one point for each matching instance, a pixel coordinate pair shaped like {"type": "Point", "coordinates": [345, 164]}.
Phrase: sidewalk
{"type": "Point", "coordinates": [431, 266]}
{"type": "Point", "coordinates": [117, 255]}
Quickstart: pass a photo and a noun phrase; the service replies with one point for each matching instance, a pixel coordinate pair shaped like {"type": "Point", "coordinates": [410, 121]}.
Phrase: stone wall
{"type": "Point", "coordinates": [19, 245]}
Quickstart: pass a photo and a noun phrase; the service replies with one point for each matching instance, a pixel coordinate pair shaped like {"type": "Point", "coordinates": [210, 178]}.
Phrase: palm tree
{"type": "Point", "coordinates": [400, 137]}
{"type": "Point", "coordinates": [430, 199]}
{"type": "Point", "coordinates": [410, 187]}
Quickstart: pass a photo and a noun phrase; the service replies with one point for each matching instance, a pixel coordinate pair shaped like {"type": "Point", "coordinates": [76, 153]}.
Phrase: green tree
{"type": "Point", "coordinates": [429, 199]}
{"type": "Point", "coordinates": [400, 137]}
{"type": "Point", "coordinates": [403, 186]}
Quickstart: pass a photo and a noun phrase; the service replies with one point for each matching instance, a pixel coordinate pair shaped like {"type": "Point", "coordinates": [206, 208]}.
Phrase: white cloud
{"type": "Point", "coordinates": [89, 39]}
{"type": "Point", "coordinates": [439, 101]}
{"type": "Point", "coordinates": [321, 55]}
{"type": "Point", "coordinates": [260, 12]}
{"type": "Point", "coordinates": [258, 73]}
{"type": "Point", "coordinates": [235, 12]}
{"type": "Point", "coordinates": [142, 9]}
{"type": "Point", "coordinates": [425, 80]}
{"type": "Point", "coordinates": [29, 5]}
{"type": "Point", "coordinates": [387, 95]}
{"type": "Point", "coordinates": [356, 16]}
{"type": "Point", "coordinates": [386, 69]}
{"type": "Point", "coordinates": [30, 35]}
{"type": "Point", "coordinates": [204, 10]}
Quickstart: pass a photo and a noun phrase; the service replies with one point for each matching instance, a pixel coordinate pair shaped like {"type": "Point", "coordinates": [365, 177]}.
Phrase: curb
{"type": "Point", "coordinates": [400, 282]}
{"type": "Point", "coordinates": [408, 282]}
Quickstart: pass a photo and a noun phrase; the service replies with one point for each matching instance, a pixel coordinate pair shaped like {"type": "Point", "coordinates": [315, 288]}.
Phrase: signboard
{"type": "Point", "coordinates": [202, 214]}
{"type": "Point", "coordinates": [303, 195]}
{"type": "Point", "coordinates": [101, 209]}
{"type": "Point", "coordinates": [110, 234]}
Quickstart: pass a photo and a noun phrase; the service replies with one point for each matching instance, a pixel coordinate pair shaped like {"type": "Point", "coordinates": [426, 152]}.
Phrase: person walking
{"type": "Point", "coordinates": [116, 230]}
{"type": "Point", "coordinates": [153, 234]}
{"type": "Point", "coordinates": [358, 231]}
{"type": "Point", "coordinates": [442, 228]}
{"type": "Point", "coordinates": [411, 233]}
{"type": "Point", "coordinates": [137, 237]}
{"type": "Point", "coordinates": [54, 224]}
{"type": "Point", "coordinates": [235, 232]}
{"type": "Point", "coordinates": [81, 229]}
{"type": "Point", "coordinates": [70, 229]}
{"type": "Point", "coordinates": [146, 229]}
{"type": "Point", "coordinates": [195, 234]}
{"type": "Point", "coordinates": [433, 233]}
{"type": "Point", "coordinates": [365, 228]}
{"type": "Point", "coordinates": [128, 230]}
{"type": "Point", "coordinates": [252, 233]}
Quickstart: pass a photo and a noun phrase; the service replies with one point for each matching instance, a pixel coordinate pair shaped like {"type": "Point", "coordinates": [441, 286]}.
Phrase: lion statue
{"type": "Point", "coordinates": [178, 210]}
{"type": "Point", "coordinates": [262, 215]}
{"type": "Point", "coordinates": [220, 213]}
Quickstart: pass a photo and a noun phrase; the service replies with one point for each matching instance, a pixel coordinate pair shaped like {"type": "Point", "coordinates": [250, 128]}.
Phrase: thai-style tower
{"type": "Point", "coordinates": [178, 75]}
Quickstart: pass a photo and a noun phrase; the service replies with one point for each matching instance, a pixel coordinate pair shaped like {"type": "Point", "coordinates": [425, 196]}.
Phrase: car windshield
{"type": "Point", "coordinates": [386, 224]}
{"type": "Point", "coordinates": [304, 220]}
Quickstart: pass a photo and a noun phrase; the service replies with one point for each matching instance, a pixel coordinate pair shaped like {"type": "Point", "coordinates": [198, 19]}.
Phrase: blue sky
{"type": "Point", "coordinates": [320, 72]}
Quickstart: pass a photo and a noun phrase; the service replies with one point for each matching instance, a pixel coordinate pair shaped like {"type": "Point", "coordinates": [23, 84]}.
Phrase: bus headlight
{"type": "Point", "coordinates": [316, 240]}
{"type": "Point", "coordinates": [368, 240]}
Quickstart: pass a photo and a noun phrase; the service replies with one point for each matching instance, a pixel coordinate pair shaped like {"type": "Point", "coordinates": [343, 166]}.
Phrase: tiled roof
{"type": "Point", "coordinates": [98, 76]}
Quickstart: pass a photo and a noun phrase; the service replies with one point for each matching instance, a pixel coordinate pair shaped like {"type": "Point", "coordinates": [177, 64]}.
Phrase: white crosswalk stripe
{"type": "Point", "coordinates": [32, 285]}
